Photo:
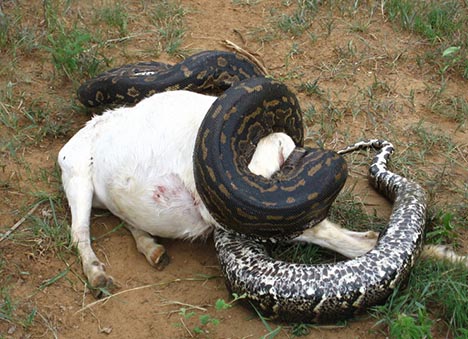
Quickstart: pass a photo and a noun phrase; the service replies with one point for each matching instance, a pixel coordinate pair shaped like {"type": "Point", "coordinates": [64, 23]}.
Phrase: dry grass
{"type": "Point", "coordinates": [388, 69]}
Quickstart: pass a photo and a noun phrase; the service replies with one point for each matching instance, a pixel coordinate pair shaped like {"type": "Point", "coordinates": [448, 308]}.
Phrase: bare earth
{"type": "Point", "coordinates": [150, 301]}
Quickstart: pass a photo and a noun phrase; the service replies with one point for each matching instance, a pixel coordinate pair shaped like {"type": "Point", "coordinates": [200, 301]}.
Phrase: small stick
{"type": "Point", "coordinates": [240, 35]}
{"type": "Point", "coordinates": [18, 224]}
{"type": "Point", "coordinates": [184, 304]}
{"type": "Point", "coordinates": [104, 300]}
{"type": "Point", "coordinates": [185, 326]}
{"type": "Point", "coordinates": [247, 54]}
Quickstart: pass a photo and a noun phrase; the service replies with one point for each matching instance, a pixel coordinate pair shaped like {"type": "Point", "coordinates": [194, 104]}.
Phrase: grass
{"type": "Point", "coordinates": [407, 312]}
{"type": "Point", "coordinates": [73, 52]}
{"type": "Point", "coordinates": [29, 125]}
{"type": "Point", "coordinates": [168, 18]}
{"type": "Point", "coordinates": [434, 20]}
{"type": "Point", "coordinates": [454, 108]}
{"type": "Point", "coordinates": [298, 19]}
{"type": "Point", "coordinates": [245, 2]}
{"type": "Point", "coordinates": [197, 324]}
{"type": "Point", "coordinates": [114, 16]}
{"type": "Point", "coordinates": [444, 24]}
{"type": "Point", "coordinates": [410, 311]}
{"type": "Point", "coordinates": [15, 37]}
{"type": "Point", "coordinates": [352, 84]}
{"type": "Point", "coordinates": [443, 228]}
{"type": "Point", "coordinates": [69, 53]}
{"type": "Point", "coordinates": [9, 312]}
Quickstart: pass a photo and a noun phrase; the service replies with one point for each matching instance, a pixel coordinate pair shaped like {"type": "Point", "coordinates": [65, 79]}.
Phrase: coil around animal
{"type": "Point", "coordinates": [251, 107]}
{"type": "Point", "coordinates": [259, 106]}
{"type": "Point", "coordinates": [329, 292]}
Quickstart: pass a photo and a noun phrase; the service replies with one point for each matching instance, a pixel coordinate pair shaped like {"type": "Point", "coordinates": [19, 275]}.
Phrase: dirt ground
{"type": "Point", "coordinates": [151, 303]}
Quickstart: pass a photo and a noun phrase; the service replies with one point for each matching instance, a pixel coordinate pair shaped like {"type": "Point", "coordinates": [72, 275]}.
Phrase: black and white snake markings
{"type": "Point", "coordinates": [249, 208]}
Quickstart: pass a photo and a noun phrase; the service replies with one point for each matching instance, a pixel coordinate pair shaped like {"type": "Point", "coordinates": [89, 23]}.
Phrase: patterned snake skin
{"type": "Point", "coordinates": [251, 107]}
{"type": "Point", "coordinates": [204, 72]}
{"type": "Point", "coordinates": [281, 207]}
{"type": "Point", "coordinates": [329, 292]}
{"type": "Point", "coordinates": [287, 291]}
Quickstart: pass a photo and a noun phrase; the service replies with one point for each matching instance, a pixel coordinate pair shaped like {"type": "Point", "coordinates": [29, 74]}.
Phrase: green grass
{"type": "Point", "coordinates": [13, 311]}
{"type": "Point", "coordinates": [410, 312]}
{"type": "Point", "coordinates": [73, 52]}
{"type": "Point", "coordinates": [30, 124]}
{"type": "Point", "coordinates": [6, 307]}
{"type": "Point", "coordinates": [294, 24]}
{"type": "Point", "coordinates": [115, 16]}
{"type": "Point", "coordinates": [245, 2]}
{"type": "Point", "coordinates": [442, 228]}
{"type": "Point", "coordinates": [293, 19]}
{"type": "Point", "coordinates": [47, 232]}
{"type": "Point", "coordinates": [301, 18]}
{"type": "Point", "coordinates": [15, 37]}
{"type": "Point", "coordinates": [69, 43]}
{"type": "Point", "coordinates": [444, 24]}
{"type": "Point", "coordinates": [454, 108]}
{"type": "Point", "coordinates": [51, 226]}
{"type": "Point", "coordinates": [168, 19]}
{"type": "Point", "coordinates": [204, 324]}
{"type": "Point", "coordinates": [433, 19]}
{"type": "Point", "coordinates": [4, 30]}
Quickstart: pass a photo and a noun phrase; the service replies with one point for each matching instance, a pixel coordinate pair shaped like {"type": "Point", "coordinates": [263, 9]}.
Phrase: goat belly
{"type": "Point", "coordinates": [142, 164]}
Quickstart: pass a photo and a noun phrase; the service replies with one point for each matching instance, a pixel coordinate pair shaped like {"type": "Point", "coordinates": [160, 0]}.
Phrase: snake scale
{"type": "Point", "coordinates": [329, 292]}
{"type": "Point", "coordinates": [209, 71]}
{"type": "Point", "coordinates": [252, 210]}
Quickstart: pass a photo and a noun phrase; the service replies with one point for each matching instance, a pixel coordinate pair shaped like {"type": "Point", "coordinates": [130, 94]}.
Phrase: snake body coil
{"type": "Point", "coordinates": [249, 207]}
{"type": "Point", "coordinates": [251, 108]}
{"type": "Point", "coordinates": [280, 207]}
{"type": "Point", "coordinates": [328, 292]}
{"type": "Point", "coordinates": [209, 71]}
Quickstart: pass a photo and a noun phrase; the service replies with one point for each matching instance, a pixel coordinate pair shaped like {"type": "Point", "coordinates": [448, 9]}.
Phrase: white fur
{"type": "Point", "coordinates": [271, 154]}
{"type": "Point", "coordinates": [137, 163]}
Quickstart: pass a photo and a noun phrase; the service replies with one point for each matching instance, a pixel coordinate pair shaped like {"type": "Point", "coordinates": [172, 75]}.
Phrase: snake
{"type": "Point", "coordinates": [326, 293]}
{"type": "Point", "coordinates": [251, 211]}
{"type": "Point", "coordinates": [250, 107]}
{"type": "Point", "coordinates": [206, 72]}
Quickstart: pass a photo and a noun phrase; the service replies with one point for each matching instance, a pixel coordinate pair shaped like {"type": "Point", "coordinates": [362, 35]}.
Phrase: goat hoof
{"type": "Point", "coordinates": [158, 258]}
{"type": "Point", "coordinates": [101, 286]}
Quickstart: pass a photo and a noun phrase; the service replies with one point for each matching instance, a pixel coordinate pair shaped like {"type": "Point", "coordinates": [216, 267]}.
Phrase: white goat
{"type": "Point", "coordinates": [137, 163]}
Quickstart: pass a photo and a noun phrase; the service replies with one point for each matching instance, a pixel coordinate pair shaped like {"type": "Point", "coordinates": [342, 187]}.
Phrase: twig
{"type": "Point", "coordinates": [128, 37]}
{"type": "Point", "coordinates": [184, 304]}
{"type": "Point", "coordinates": [185, 326]}
{"type": "Point", "coordinates": [240, 35]}
{"type": "Point", "coordinates": [382, 9]}
{"type": "Point", "coordinates": [460, 152]}
{"type": "Point", "coordinates": [18, 224]}
{"type": "Point", "coordinates": [103, 300]}
{"type": "Point", "coordinates": [247, 54]}
{"type": "Point", "coordinates": [48, 325]}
